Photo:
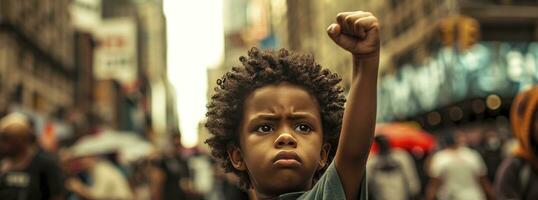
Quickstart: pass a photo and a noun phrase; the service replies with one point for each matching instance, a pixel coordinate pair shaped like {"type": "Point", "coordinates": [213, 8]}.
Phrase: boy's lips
{"type": "Point", "coordinates": [287, 159]}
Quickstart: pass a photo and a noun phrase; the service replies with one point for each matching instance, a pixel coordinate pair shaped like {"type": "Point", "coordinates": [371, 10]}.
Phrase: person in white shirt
{"type": "Point", "coordinates": [107, 182]}
{"type": "Point", "coordinates": [458, 172]}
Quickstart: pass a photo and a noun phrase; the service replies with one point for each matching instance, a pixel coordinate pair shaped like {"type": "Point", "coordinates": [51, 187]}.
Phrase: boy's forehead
{"type": "Point", "coordinates": [280, 96]}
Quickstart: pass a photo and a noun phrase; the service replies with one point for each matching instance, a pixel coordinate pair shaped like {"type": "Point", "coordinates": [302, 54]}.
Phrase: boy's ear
{"type": "Point", "coordinates": [324, 155]}
{"type": "Point", "coordinates": [236, 157]}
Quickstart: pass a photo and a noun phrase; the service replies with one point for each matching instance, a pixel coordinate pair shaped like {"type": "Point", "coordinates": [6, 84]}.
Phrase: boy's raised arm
{"type": "Point", "coordinates": [358, 33]}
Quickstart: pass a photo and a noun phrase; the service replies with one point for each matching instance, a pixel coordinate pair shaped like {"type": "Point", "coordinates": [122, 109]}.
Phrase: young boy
{"type": "Point", "coordinates": [277, 120]}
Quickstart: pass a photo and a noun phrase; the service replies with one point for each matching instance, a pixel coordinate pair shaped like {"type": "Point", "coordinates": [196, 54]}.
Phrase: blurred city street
{"type": "Point", "coordinates": [107, 99]}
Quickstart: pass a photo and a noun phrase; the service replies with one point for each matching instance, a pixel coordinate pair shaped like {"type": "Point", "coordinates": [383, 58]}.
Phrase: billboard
{"type": "Point", "coordinates": [450, 76]}
{"type": "Point", "coordinates": [115, 54]}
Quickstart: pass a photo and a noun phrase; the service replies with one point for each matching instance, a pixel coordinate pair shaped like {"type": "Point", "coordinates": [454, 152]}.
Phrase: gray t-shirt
{"type": "Point", "coordinates": [328, 187]}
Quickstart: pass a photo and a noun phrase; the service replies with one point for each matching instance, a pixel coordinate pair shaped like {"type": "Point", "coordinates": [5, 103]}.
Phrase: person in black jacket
{"type": "Point", "coordinates": [25, 171]}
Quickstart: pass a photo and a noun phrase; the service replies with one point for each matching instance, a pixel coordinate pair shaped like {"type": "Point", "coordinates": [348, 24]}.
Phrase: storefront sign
{"type": "Point", "coordinates": [450, 76]}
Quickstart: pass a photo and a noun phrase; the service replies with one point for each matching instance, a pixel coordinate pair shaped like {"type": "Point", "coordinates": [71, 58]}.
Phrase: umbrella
{"type": "Point", "coordinates": [406, 136]}
{"type": "Point", "coordinates": [129, 145]}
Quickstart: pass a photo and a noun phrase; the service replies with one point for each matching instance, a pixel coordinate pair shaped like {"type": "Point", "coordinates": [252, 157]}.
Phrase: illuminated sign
{"type": "Point", "coordinates": [451, 76]}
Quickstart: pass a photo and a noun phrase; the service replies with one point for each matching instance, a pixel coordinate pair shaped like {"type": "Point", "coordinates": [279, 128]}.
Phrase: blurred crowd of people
{"type": "Point", "coordinates": [94, 167]}
{"type": "Point", "coordinates": [455, 170]}
{"type": "Point", "coordinates": [495, 167]}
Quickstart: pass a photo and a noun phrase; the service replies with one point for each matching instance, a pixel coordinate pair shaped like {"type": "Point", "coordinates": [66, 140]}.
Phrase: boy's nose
{"type": "Point", "coordinates": [285, 140]}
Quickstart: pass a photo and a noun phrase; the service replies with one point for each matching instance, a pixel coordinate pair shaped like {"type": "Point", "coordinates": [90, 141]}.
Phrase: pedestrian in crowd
{"type": "Point", "coordinates": [226, 186]}
{"type": "Point", "coordinates": [93, 177]}
{"type": "Point", "coordinates": [26, 172]}
{"type": "Point", "coordinates": [169, 174]}
{"type": "Point", "coordinates": [458, 173]}
{"type": "Point", "coordinates": [391, 173]}
{"type": "Point", "coordinates": [490, 149]}
{"type": "Point", "coordinates": [518, 174]}
{"type": "Point", "coordinates": [278, 121]}
{"type": "Point", "coordinates": [201, 167]}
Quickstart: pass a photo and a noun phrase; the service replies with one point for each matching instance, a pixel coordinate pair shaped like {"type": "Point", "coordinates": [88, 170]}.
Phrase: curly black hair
{"type": "Point", "coordinates": [266, 67]}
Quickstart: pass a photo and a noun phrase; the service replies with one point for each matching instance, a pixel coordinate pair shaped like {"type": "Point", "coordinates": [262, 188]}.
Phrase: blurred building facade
{"type": "Point", "coordinates": [92, 61]}
{"type": "Point", "coordinates": [478, 57]}
{"type": "Point", "coordinates": [129, 64]}
{"type": "Point", "coordinates": [153, 63]}
{"type": "Point", "coordinates": [410, 29]}
{"type": "Point", "coordinates": [36, 56]}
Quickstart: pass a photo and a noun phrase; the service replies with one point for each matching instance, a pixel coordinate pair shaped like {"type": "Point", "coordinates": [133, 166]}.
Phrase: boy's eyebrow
{"type": "Point", "coordinates": [265, 116]}
{"type": "Point", "coordinates": [301, 115]}
{"type": "Point", "coordinates": [293, 116]}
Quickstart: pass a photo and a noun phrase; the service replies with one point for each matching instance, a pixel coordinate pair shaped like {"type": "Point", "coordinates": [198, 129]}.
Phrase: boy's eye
{"type": "Point", "coordinates": [303, 128]}
{"type": "Point", "coordinates": [264, 129]}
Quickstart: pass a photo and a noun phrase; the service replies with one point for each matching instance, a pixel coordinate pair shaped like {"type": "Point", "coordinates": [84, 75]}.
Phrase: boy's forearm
{"type": "Point", "coordinates": [358, 33]}
{"type": "Point", "coordinates": [360, 114]}
{"type": "Point", "coordinates": [367, 65]}
{"type": "Point", "coordinates": [358, 125]}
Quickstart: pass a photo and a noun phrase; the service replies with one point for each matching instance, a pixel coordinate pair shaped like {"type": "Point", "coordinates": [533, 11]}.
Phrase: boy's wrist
{"type": "Point", "coordinates": [373, 56]}
{"type": "Point", "coordinates": [370, 61]}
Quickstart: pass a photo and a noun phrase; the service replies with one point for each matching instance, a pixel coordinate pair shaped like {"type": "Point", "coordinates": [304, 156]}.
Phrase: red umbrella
{"type": "Point", "coordinates": [406, 136]}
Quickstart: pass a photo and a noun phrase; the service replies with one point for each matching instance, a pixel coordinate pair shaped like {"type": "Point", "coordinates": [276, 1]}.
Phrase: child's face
{"type": "Point", "coordinates": [281, 139]}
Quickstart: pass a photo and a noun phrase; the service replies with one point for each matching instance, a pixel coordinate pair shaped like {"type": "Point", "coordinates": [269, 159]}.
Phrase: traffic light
{"type": "Point", "coordinates": [468, 32]}
{"type": "Point", "coordinates": [448, 30]}
{"type": "Point", "coordinates": [462, 30]}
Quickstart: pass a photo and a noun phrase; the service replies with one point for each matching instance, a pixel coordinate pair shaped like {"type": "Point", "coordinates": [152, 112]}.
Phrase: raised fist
{"type": "Point", "coordinates": [356, 32]}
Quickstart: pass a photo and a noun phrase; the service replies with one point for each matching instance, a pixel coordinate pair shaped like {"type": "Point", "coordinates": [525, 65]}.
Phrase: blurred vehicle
{"type": "Point", "coordinates": [407, 137]}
